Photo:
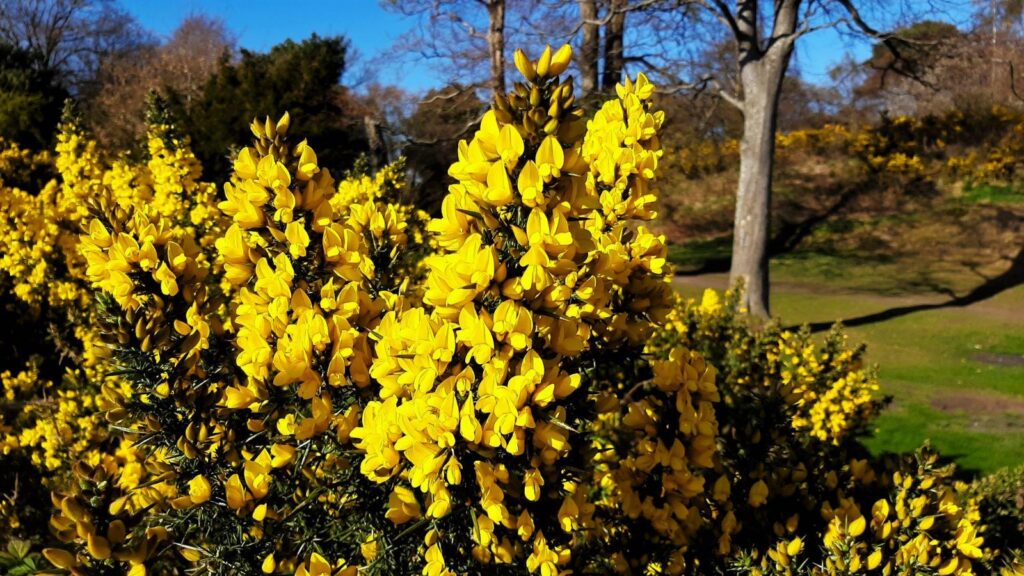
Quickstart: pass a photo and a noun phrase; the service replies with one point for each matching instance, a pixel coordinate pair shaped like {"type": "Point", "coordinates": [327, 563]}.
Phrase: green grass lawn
{"type": "Point", "coordinates": [993, 193]}
{"type": "Point", "coordinates": [956, 373]}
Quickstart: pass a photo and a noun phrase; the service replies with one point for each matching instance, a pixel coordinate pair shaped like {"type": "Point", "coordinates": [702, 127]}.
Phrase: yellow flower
{"type": "Point", "coordinates": [60, 558]}
{"type": "Point", "coordinates": [402, 506]}
{"type": "Point", "coordinates": [758, 494]}
{"type": "Point", "coordinates": [199, 489]}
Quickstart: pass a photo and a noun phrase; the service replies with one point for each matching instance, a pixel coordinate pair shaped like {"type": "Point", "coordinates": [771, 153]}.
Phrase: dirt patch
{"type": "Point", "coordinates": [977, 403]}
{"type": "Point", "coordinates": [997, 359]}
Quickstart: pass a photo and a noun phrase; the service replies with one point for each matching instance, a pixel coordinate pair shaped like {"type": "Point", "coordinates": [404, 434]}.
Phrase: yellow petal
{"type": "Point", "coordinates": [560, 60]}
{"type": "Point", "coordinates": [856, 528]}
{"type": "Point", "coordinates": [875, 559]}
{"type": "Point", "coordinates": [544, 62]}
{"type": "Point", "coordinates": [199, 489]}
{"type": "Point", "coordinates": [524, 65]}
{"type": "Point", "coordinates": [60, 558]}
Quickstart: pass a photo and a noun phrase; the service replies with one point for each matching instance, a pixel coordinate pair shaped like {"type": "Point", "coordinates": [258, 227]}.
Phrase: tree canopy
{"type": "Point", "coordinates": [31, 97]}
{"type": "Point", "coordinates": [301, 78]}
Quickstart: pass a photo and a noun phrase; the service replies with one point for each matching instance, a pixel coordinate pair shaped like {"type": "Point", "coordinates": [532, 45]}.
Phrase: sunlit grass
{"type": "Point", "coordinates": [991, 193]}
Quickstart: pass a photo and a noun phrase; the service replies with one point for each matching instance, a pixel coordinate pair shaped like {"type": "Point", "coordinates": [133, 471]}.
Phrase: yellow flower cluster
{"type": "Point", "coordinates": [979, 146]}
{"type": "Point", "coordinates": [55, 425]}
{"type": "Point", "coordinates": [378, 205]}
{"type": "Point", "coordinates": [310, 285]}
{"type": "Point", "coordinates": [655, 466]}
{"type": "Point", "coordinates": [38, 232]}
{"type": "Point", "coordinates": [262, 347]}
{"type": "Point", "coordinates": [828, 137]}
{"type": "Point", "coordinates": [311, 291]}
{"type": "Point", "coordinates": [296, 385]}
{"type": "Point", "coordinates": [55, 421]}
{"type": "Point", "coordinates": [790, 410]}
{"type": "Point", "coordinates": [59, 428]}
{"type": "Point", "coordinates": [830, 394]}
{"type": "Point", "coordinates": [34, 247]}
{"type": "Point", "coordinates": [387, 185]}
{"type": "Point", "coordinates": [541, 268]}
{"type": "Point", "coordinates": [103, 507]}
{"type": "Point", "coordinates": [923, 526]}
{"type": "Point", "coordinates": [829, 408]}
{"type": "Point", "coordinates": [700, 158]}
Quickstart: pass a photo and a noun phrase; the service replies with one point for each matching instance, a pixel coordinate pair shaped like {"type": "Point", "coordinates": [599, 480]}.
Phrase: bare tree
{"type": "Point", "coordinates": [763, 35]}
{"type": "Point", "coordinates": [762, 67]}
{"type": "Point", "coordinates": [463, 36]}
{"type": "Point", "coordinates": [614, 36]}
{"type": "Point", "coordinates": [763, 53]}
{"type": "Point", "coordinates": [192, 54]}
{"type": "Point", "coordinates": [182, 65]}
{"type": "Point", "coordinates": [71, 36]}
{"type": "Point", "coordinates": [589, 47]}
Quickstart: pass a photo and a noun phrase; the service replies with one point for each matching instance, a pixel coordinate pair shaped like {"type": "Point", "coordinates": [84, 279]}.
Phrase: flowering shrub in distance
{"type": "Point", "coordinates": [295, 375]}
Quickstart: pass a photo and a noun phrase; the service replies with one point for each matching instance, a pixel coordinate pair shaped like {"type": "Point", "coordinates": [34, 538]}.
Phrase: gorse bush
{"type": "Point", "coordinates": [975, 146]}
{"type": "Point", "coordinates": [296, 375]}
{"type": "Point", "coordinates": [792, 476]}
{"type": "Point", "coordinates": [1000, 499]}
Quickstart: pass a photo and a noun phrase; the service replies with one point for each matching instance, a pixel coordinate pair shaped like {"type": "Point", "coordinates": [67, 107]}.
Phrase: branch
{"type": "Point", "coordinates": [1013, 83]}
{"type": "Point", "coordinates": [453, 94]}
{"type": "Point", "coordinates": [615, 12]}
{"type": "Point", "coordinates": [699, 85]}
{"type": "Point", "coordinates": [469, 126]}
{"type": "Point", "coordinates": [784, 26]}
{"type": "Point", "coordinates": [731, 99]}
{"type": "Point", "coordinates": [726, 16]}
{"type": "Point", "coordinates": [890, 40]}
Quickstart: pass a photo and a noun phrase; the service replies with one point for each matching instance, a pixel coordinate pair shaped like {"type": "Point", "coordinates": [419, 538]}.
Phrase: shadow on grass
{"type": "Point", "coordinates": [1013, 276]}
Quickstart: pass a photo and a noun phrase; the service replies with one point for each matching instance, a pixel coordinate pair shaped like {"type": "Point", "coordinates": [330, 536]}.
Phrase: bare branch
{"type": "Point", "coordinates": [618, 11]}
{"type": "Point", "coordinates": [731, 99]}
{"type": "Point", "coordinates": [726, 16]}
{"type": "Point", "coordinates": [464, 131]}
{"type": "Point", "coordinates": [1013, 83]}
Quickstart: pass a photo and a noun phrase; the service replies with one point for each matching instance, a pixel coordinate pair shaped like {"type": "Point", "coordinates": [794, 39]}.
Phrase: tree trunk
{"type": "Point", "coordinates": [378, 148]}
{"type": "Point", "coordinates": [590, 51]}
{"type": "Point", "coordinates": [496, 44]}
{"type": "Point", "coordinates": [761, 79]}
{"type": "Point", "coordinates": [614, 59]}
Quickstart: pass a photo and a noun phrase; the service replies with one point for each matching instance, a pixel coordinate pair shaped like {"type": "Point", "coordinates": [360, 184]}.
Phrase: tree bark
{"type": "Point", "coordinates": [761, 86]}
{"type": "Point", "coordinates": [590, 50]}
{"type": "Point", "coordinates": [614, 59]}
{"type": "Point", "coordinates": [378, 148]}
{"type": "Point", "coordinates": [761, 74]}
{"type": "Point", "coordinates": [496, 44]}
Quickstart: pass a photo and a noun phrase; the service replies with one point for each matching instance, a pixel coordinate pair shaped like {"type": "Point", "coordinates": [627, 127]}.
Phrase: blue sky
{"type": "Point", "coordinates": [260, 24]}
